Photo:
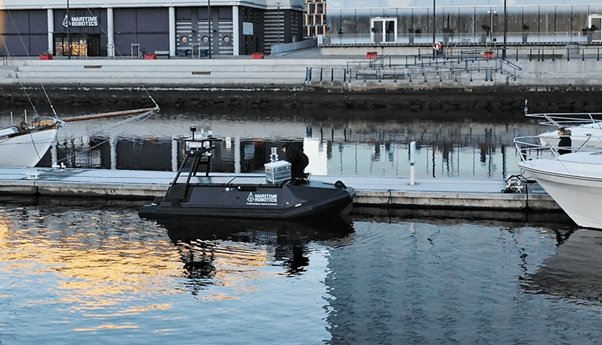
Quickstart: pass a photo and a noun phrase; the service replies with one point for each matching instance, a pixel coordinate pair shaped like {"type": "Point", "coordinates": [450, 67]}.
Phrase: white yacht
{"type": "Point", "coordinates": [573, 179]}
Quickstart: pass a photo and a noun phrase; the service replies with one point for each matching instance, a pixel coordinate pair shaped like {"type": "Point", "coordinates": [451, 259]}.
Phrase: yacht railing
{"type": "Point", "coordinates": [535, 147]}
{"type": "Point", "coordinates": [546, 147]}
{"type": "Point", "coordinates": [569, 119]}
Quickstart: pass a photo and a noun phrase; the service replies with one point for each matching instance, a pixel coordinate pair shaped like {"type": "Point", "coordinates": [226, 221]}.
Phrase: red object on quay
{"type": "Point", "coordinates": [258, 56]}
{"type": "Point", "coordinates": [371, 55]}
{"type": "Point", "coordinates": [150, 56]}
{"type": "Point", "coordinates": [45, 57]}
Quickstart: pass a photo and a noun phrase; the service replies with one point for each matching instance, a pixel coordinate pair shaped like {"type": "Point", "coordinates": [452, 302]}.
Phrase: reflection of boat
{"type": "Point", "coordinates": [25, 144]}
{"type": "Point", "coordinates": [198, 240]}
{"type": "Point", "coordinates": [245, 196]}
{"type": "Point", "coordinates": [573, 180]}
{"type": "Point", "coordinates": [574, 271]}
{"type": "Point", "coordinates": [186, 229]}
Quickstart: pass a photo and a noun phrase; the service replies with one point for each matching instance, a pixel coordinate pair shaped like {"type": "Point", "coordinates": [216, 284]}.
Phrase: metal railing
{"type": "Point", "coordinates": [547, 147]}
{"type": "Point", "coordinates": [415, 67]}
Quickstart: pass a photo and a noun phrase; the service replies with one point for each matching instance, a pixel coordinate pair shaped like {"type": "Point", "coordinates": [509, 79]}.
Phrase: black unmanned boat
{"type": "Point", "coordinates": [274, 196]}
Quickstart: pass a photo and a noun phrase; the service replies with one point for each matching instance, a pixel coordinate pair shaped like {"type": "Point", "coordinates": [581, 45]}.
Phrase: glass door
{"type": "Point", "coordinates": [383, 30]}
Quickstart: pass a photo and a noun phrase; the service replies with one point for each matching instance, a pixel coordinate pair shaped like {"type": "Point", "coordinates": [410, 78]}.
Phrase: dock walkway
{"type": "Point", "coordinates": [372, 191]}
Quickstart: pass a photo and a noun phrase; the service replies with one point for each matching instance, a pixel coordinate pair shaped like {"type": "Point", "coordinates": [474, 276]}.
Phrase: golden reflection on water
{"type": "Point", "coordinates": [107, 264]}
{"type": "Point", "coordinates": [4, 233]}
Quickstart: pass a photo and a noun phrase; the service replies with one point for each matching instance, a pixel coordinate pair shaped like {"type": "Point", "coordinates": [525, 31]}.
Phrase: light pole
{"type": "Point", "coordinates": [491, 14]}
{"type": "Point", "coordinates": [434, 27]}
{"type": "Point", "coordinates": [505, 30]}
{"type": "Point", "coordinates": [278, 24]}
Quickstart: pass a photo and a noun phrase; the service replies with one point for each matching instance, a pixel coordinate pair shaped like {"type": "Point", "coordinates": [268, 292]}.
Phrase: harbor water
{"type": "Point", "coordinates": [76, 271]}
{"type": "Point", "coordinates": [98, 274]}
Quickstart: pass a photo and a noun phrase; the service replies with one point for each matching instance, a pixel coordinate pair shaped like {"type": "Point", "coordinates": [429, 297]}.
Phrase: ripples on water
{"type": "Point", "coordinates": [77, 274]}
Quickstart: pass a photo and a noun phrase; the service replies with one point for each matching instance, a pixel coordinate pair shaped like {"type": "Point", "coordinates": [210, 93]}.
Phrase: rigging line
{"type": "Point", "coordinates": [120, 54]}
{"type": "Point", "coordinates": [33, 65]}
{"type": "Point", "coordinates": [140, 117]}
{"type": "Point", "coordinates": [33, 143]}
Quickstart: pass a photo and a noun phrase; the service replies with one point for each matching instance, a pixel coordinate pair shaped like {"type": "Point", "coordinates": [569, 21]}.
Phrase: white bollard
{"type": "Point", "coordinates": [412, 167]}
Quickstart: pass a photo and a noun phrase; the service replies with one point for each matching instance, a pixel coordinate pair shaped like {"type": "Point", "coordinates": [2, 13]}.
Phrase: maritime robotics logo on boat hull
{"type": "Point", "coordinates": [262, 199]}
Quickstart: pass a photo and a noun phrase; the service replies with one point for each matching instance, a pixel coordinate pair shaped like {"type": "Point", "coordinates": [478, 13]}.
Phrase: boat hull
{"type": "Point", "coordinates": [26, 150]}
{"type": "Point", "coordinates": [289, 200]}
{"type": "Point", "coordinates": [575, 186]}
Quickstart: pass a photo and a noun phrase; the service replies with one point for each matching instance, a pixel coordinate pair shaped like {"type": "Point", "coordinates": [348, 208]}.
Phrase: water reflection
{"type": "Point", "coordinates": [93, 262]}
{"type": "Point", "coordinates": [203, 241]}
{"type": "Point", "coordinates": [437, 282]}
{"type": "Point", "coordinates": [100, 274]}
{"type": "Point", "coordinates": [574, 272]}
{"type": "Point", "coordinates": [338, 143]}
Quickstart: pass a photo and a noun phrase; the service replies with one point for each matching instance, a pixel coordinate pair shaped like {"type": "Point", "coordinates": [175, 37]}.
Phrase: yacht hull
{"type": "Point", "coordinates": [575, 185]}
{"type": "Point", "coordinates": [27, 149]}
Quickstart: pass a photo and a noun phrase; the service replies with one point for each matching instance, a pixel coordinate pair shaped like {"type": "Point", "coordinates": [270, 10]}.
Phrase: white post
{"type": "Point", "coordinates": [412, 167]}
{"type": "Point", "coordinates": [113, 150]}
{"type": "Point", "coordinates": [50, 14]}
{"type": "Point", "coordinates": [236, 31]}
{"type": "Point", "coordinates": [110, 33]}
{"type": "Point", "coordinates": [237, 155]}
{"type": "Point", "coordinates": [174, 154]}
{"type": "Point", "coordinates": [172, 32]}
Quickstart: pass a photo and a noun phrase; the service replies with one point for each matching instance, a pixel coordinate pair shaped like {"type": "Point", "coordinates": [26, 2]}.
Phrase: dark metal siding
{"type": "Point", "coordinates": [147, 27]}
{"type": "Point", "coordinates": [25, 33]}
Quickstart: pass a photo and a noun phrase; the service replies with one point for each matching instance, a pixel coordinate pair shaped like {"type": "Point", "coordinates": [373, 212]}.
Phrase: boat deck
{"type": "Point", "coordinates": [371, 191]}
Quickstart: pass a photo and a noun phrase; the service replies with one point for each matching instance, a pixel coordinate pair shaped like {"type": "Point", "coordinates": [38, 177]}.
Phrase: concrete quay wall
{"type": "Point", "coordinates": [550, 85]}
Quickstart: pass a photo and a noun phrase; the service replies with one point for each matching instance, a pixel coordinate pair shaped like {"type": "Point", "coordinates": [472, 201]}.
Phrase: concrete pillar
{"type": "Point", "coordinates": [50, 15]}
{"type": "Point", "coordinates": [172, 31]}
{"type": "Point", "coordinates": [110, 33]}
{"type": "Point", "coordinates": [236, 30]}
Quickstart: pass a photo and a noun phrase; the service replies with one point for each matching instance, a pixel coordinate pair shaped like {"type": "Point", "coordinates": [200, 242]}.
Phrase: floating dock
{"type": "Point", "coordinates": [372, 191]}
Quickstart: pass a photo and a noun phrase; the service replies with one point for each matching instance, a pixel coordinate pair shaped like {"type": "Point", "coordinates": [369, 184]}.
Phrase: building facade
{"type": "Point", "coordinates": [133, 27]}
{"type": "Point", "coordinates": [315, 18]}
{"type": "Point", "coordinates": [423, 23]}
